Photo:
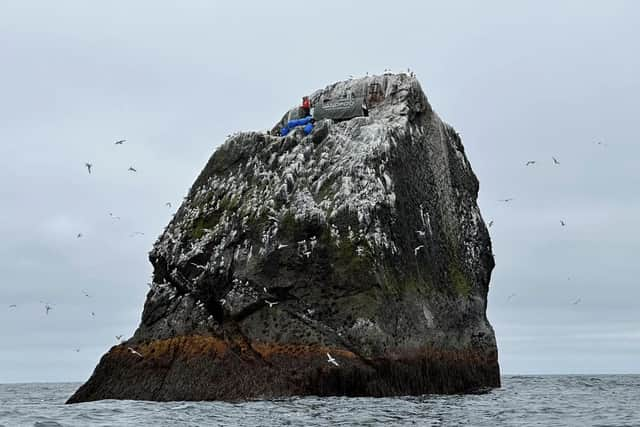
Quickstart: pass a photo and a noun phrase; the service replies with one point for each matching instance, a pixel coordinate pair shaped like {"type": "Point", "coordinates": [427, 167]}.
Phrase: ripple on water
{"type": "Point", "coordinates": [522, 401]}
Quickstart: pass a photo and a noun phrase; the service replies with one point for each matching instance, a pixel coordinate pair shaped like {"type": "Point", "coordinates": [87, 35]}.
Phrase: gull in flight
{"type": "Point", "coordinates": [555, 161]}
{"type": "Point", "coordinates": [86, 294]}
{"type": "Point", "coordinates": [421, 233]}
{"type": "Point", "coordinates": [77, 350]}
{"type": "Point", "coordinates": [131, 350]}
{"type": "Point", "coordinates": [506, 200]}
{"type": "Point", "coordinates": [79, 235]}
{"type": "Point", "coordinates": [168, 204]}
{"type": "Point", "coordinates": [530, 162]}
{"type": "Point", "coordinates": [265, 290]}
{"type": "Point", "coordinates": [88, 166]}
{"type": "Point", "coordinates": [282, 246]}
{"type": "Point", "coordinates": [222, 301]}
{"type": "Point", "coordinates": [93, 314]}
{"type": "Point", "coordinates": [47, 308]}
{"type": "Point", "coordinates": [113, 216]}
{"type": "Point", "coordinates": [562, 223]}
{"type": "Point", "coordinates": [330, 359]}
{"type": "Point", "coordinates": [271, 304]}
{"type": "Point", "coordinates": [510, 297]}
{"type": "Point", "coordinates": [490, 223]}
{"type": "Point", "coordinates": [136, 233]}
{"type": "Point", "coordinates": [132, 169]}
{"type": "Point", "coordinates": [577, 301]}
{"type": "Point", "coordinates": [119, 337]}
{"type": "Point", "coordinates": [120, 141]}
{"type": "Point", "coordinates": [416, 249]}
{"type": "Point", "coordinates": [13, 306]}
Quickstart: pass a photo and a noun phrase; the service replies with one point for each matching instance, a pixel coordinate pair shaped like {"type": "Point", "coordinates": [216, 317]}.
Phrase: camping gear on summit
{"type": "Point", "coordinates": [344, 108]}
{"type": "Point", "coordinates": [307, 122]}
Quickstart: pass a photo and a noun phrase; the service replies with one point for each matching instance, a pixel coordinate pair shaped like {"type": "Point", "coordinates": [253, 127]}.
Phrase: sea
{"type": "Point", "coordinates": [607, 400]}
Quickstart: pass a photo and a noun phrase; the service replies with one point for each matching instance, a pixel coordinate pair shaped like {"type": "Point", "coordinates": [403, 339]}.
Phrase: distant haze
{"type": "Point", "coordinates": [520, 81]}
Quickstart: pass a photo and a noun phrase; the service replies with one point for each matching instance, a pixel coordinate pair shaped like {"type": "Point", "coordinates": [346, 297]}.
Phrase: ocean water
{"type": "Point", "coordinates": [612, 400]}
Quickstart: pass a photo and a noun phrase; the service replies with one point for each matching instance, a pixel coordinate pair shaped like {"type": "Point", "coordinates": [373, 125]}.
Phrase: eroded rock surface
{"type": "Point", "coordinates": [362, 240]}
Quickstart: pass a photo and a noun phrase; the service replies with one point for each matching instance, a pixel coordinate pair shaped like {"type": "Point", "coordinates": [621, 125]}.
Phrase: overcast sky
{"type": "Point", "coordinates": [519, 80]}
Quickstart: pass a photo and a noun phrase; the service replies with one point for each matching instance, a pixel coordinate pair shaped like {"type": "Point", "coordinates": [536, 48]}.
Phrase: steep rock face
{"type": "Point", "coordinates": [362, 240]}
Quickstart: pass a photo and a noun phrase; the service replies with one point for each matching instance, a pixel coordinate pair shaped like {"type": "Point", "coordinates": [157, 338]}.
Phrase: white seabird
{"type": "Point", "coordinates": [271, 303]}
{"type": "Point", "coordinates": [131, 350]}
{"type": "Point", "coordinates": [330, 359]}
{"type": "Point", "coordinates": [416, 249]}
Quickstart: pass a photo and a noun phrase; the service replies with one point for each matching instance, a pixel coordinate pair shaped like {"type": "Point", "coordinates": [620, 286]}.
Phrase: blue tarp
{"type": "Point", "coordinates": [306, 122]}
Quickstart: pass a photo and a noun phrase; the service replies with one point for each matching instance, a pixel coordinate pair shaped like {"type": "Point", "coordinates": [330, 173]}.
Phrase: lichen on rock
{"type": "Point", "coordinates": [362, 239]}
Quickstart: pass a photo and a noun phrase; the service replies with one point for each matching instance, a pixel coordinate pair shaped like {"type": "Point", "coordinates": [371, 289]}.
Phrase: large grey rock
{"type": "Point", "coordinates": [367, 236]}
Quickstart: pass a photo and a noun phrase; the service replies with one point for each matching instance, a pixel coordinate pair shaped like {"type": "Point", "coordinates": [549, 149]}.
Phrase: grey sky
{"type": "Point", "coordinates": [519, 80]}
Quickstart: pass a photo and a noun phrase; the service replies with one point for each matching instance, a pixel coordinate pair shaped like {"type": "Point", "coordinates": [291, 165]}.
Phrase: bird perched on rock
{"type": "Point", "coordinates": [331, 359]}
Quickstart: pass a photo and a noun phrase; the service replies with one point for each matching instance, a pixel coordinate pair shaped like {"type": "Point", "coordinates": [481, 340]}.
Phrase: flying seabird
{"type": "Point", "coordinates": [168, 204]}
{"type": "Point", "coordinates": [93, 314]}
{"type": "Point", "coordinates": [136, 233]}
{"type": "Point", "coordinates": [13, 306]}
{"type": "Point", "coordinates": [131, 350]}
{"type": "Point", "coordinates": [510, 297]}
{"type": "Point", "coordinates": [222, 301]}
{"type": "Point", "coordinates": [562, 223]}
{"type": "Point", "coordinates": [265, 290]}
{"type": "Point", "coordinates": [119, 337]}
{"type": "Point", "coordinates": [113, 216]}
{"type": "Point", "coordinates": [506, 200]}
{"type": "Point", "coordinates": [86, 294]}
{"type": "Point", "coordinates": [77, 350]}
{"type": "Point", "coordinates": [47, 308]}
{"type": "Point", "coordinates": [120, 141]}
{"type": "Point", "coordinates": [88, 165]}
{"type": "Point", "coordinates": [330, 359]}
{"type": "Point", "coordinates": [421, 233]}
{"type": "Point", "coordinates": [282, 246]}
{"type": "Point", "coordinates": [530, 162]}
{"type": "Point", "coordinates": [79, 235]}
{"type": "Point", "coordinates": [271, 304]}
{"type": "Point", "coordinates": [490, 223]}
{"type": "Point", "coordinates": [416, 249]}
{"type": "Point", "coordinates": [555, 161]}
{"type": "Point", "coordinates": [132, 169]}
{"type": "Point", "coordinates": [577, 301]}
